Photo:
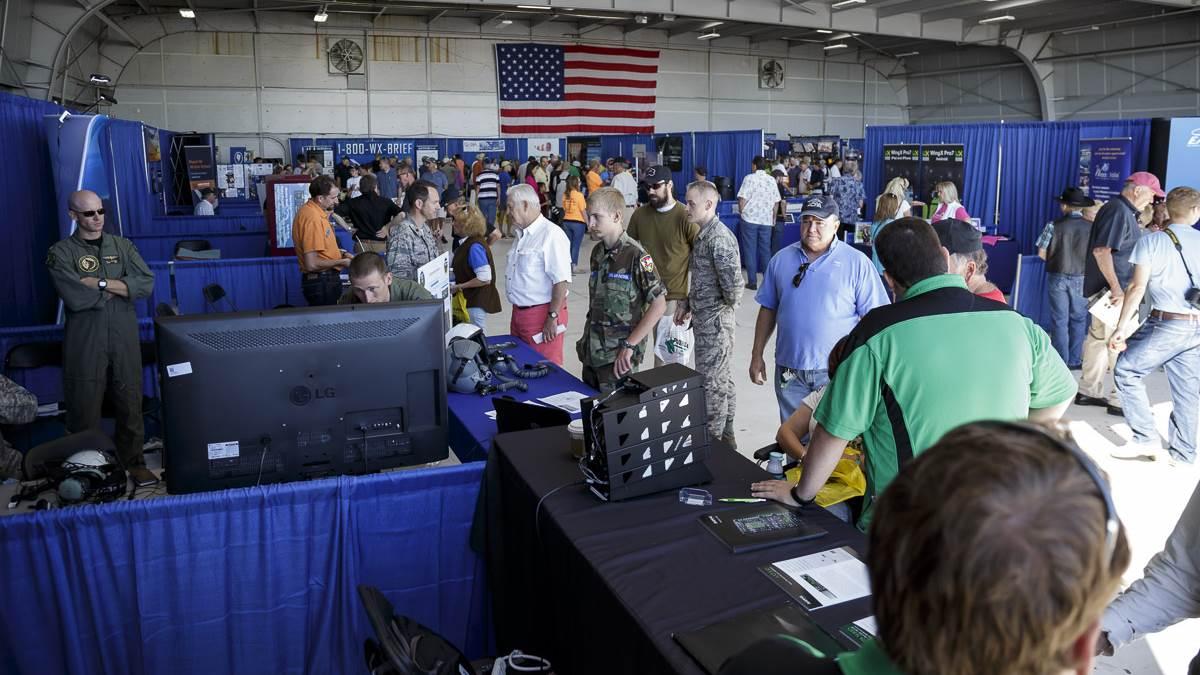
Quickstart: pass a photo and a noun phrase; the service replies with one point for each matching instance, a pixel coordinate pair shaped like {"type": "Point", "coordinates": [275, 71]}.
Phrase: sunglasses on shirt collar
{"type": "Point", "coordinates": [800, 275]}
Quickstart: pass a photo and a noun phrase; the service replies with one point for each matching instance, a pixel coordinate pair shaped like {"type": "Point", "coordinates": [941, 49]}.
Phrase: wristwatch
{"type": "Point", "coordinates": [102, 284]}
{"type": "Point", "coordinates": [553, 315]}
{"type": "Point", "coordinates": [801, 502]}
{"type": "Point", "coordinates": [624, 344]}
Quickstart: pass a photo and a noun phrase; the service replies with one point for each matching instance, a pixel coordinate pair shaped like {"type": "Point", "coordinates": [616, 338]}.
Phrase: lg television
{"type": "Point", "coordinates": [252, 398]}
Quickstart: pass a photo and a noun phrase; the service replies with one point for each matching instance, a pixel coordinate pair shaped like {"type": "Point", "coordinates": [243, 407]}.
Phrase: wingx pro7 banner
{"type": "Point", "coordinates": [940, 163]}
{"type": "Point", "coordinates": [902, 161]}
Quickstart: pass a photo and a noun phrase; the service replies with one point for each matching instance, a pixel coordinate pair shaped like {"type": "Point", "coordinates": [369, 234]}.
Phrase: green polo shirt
{"type": "Point", "coordinates": [939, 358]}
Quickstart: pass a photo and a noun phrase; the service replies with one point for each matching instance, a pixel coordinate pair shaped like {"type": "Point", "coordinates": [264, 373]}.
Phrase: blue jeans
{"type": "Point", "coordinates": [1068, 316]}
{"type": "Point", "coordinates": [574, 230]}
{"type": "Point", "coordinates": [488, 208]}
{"type": "Point", "coordinates": [1175, 345]}
{"type": "Point", "coordinates": [755, 240]}
{"type": "Point", "coordinates": [478, 317]}
{"type": "Point", "coordinates": [800, 383]}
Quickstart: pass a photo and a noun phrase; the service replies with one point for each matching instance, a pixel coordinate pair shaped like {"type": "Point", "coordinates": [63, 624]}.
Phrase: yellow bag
{"type": "Point", "coordinates": [846, 482]}
{"type": "Point", "coordinates": [458, 309]}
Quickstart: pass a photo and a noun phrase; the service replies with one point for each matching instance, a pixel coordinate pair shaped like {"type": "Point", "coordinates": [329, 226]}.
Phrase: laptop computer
{"type": "Point", "coordinates": [513, 415]}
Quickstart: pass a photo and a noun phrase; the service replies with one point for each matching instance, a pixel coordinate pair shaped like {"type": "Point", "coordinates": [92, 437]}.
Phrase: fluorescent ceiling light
{"type": "Point", "coordinates": [533, 7]}
{"type": "Point", "coordinates": [900, 56]}
{"type": "Point", "coordinates": [187, 13]}
{"type": "Point", "coordinates": [99, 79]}
{"type": "Point", "coordinates": [996, 19]}
{"type": "Point", "coordinates": [708, 36]}
{"type": "Point", "coordinates": [1086, 29]}
{"type": "Point", "coordinates": [321, 16]}
{"type": "Point", "coordinates": [847, 3]}
{"type": "Point", "coordinates": [840, 45]}
{"type": "Point", "coordinates": [711, 24]}
{"type": "Point", "coordinates": [826, 32]}
{"type": "Point", "coordinates": [506, 22]}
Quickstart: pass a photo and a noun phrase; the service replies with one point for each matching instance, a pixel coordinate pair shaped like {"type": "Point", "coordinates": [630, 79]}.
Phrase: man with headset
{"type": "Point", "coordinates": [960, 578]}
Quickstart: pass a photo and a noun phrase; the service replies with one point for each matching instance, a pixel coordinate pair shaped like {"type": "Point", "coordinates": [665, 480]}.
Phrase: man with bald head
{"type": "Point", "coordinates": [100, 277]}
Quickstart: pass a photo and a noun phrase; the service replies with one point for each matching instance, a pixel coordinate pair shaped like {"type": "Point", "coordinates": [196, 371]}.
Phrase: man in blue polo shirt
{"type": "Point", "coordinates": [816, 290]}
{"type": "Point", "coordinates": [1166, 265]}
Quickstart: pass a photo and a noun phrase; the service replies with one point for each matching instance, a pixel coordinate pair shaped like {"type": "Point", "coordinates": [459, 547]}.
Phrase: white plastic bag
{"type": "Point", "coordinates": [674, 343]}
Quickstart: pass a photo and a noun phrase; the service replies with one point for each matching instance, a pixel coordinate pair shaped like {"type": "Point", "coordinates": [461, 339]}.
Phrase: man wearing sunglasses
{"type": "Point", "coordinates": [815, 290]}
{"type": "Point", "coordinates": [663, 227]}
{"type": "Point", "coordinates": [100, 277]}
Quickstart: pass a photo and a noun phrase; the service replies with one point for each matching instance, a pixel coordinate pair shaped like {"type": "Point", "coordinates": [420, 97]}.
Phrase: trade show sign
{"type": "Point", "coordinates": [903, 161]}
{"type": "Point", "coordinates": [941, 163]}
{"type": "Point", "coordinates": [1104, 164]}
{"type": "Point", "coordinates": [1183, 153]}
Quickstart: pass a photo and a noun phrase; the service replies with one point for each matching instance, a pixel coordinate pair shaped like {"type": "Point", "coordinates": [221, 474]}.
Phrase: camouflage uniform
{"type": "Point", "coordinates": [408, 247]}
{"type": "Point", "coordinates": [17, 406]}
{"type": "Point", "coordinates": [714, 294]}
{"type": "Point", "coordinates": [622, 285]}
{"type": "Point", "coordinates": [101, 351]}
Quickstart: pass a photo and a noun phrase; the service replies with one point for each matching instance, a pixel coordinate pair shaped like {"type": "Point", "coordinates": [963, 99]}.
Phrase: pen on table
{"type": "Point", "coordinates": [741, 500]}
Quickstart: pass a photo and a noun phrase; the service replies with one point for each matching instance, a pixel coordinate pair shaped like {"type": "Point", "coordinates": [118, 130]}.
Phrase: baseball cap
{"type": "Point", "coordinates": [821, 206]}
{"type": "Point", "coordinates": [1147, 180]}
{"type": "Point", "coordinates": [655, 174]}
{"type": "Point", "coordinates": [451, 194]}
{"type": "Point", "coordinates": [778, 174]}
{"type": "Point", "coordinates": [958, 236]}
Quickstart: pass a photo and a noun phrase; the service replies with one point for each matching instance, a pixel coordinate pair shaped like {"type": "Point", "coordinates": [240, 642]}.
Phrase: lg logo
{"type": "Point", "coordinates": [1194, 139]}
{"type": "Point", "coordinates": [301, 395]}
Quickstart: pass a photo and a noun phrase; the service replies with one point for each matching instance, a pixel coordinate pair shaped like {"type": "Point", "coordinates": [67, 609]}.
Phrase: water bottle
{"type": "Point", "coordinates": [775, 465]}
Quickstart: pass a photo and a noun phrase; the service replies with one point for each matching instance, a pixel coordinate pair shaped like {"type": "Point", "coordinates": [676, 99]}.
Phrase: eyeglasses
{"type": "Point", "coordinates": [800, 275]}
{"type": "Point", "coordinates": [89, 214]}
{"type": "Point", "coordinates": [1112, 525]}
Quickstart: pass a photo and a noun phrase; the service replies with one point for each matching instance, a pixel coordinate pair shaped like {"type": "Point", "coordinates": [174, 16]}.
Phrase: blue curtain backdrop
{"type": "Point", "coordinates": [1041, 159]}
{"type": "Point", "coordinates": [727, 153]}
{"type": "Point", "coordinates": [256, 580]}
{"type": "Point", "coordinates": [132, 183]}
{"type": "Point", "coordinates": [31, 218]}
{"type": "Point", "coordinates": [981, 145]}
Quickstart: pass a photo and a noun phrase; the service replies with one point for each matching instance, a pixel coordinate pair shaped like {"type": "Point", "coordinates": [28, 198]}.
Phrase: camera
{"type": "Point", "coordinates": [1192, 295]}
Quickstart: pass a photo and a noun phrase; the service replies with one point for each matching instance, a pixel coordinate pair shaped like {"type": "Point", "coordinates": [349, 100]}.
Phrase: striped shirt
{"type": "Point", "coordinates": [489, 184]}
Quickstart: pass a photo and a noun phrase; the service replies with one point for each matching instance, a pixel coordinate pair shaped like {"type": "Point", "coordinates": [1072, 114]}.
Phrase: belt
{"type": "Point", "coordinates": [1173, 316]}
{"type": "Point", "coordinates": [524, 307]}
{"type": "Point", "coordinates": [318, 275]}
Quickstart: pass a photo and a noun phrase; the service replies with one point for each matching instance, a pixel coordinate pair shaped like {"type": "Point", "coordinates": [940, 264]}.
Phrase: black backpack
{"type": "Point", "coordinates": [405, 647]}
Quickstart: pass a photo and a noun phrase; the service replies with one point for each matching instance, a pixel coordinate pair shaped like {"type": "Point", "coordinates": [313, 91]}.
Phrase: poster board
{"type": "Point", "coordinates": [1104, 164]}
{"type": "Point", "coordinates": [904, 161]}
{"type": "Point", "coordinates": [201, 167]}
{"type": "Point", "coordinates": [940, 163]}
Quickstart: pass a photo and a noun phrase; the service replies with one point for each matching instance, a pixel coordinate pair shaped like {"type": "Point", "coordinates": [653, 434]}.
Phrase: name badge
{"type": "Point", "coordinates": [616, 275]}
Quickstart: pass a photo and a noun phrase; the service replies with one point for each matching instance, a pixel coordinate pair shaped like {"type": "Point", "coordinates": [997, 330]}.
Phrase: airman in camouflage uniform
{"type": "Point", "coordinates": [626, 298]}
{"type": "Point", "coordinates": [410, 243]}
{"type": "Point", "coordinates": [17, 406]}
{"type": "Point", "coordinates": [715, 289]}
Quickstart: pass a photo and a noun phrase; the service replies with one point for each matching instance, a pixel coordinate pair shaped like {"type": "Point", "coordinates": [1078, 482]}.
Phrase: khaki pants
{"type": "Point", "coordinates": [1098, 360]}
{"type": "Point", "coordinates": [629, 215]}
{"type": "Point", "coordinates": [371, 245]}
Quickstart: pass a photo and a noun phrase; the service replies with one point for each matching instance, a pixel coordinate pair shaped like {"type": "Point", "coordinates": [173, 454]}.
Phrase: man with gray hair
{"type": "Point", "coordinates": [715, 290]}
{"type": "Point", "coordinates": [537, 274]}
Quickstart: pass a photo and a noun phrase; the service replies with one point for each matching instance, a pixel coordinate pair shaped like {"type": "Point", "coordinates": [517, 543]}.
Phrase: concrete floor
{"type": "Point", "coordinates": [1149, 495]}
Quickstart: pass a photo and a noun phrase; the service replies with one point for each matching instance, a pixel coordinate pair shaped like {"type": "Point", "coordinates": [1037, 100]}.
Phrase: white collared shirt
{"type": "Point", "coordinates": [204, 208]}
{"type": "Point", "coordinates": [628, 187]}
{"type": "Point", "coordinates": [538, 259]}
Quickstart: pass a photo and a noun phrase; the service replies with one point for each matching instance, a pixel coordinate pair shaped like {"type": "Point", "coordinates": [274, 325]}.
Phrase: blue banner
{"type": "Point", "coordinates": [1183, 153]}
{"type": "Point", "coordinates": [77, 154]}
{"type": "Point", "coordinates": [1104, 164]}
{"type": "Point", "coordinates": [359, 150]}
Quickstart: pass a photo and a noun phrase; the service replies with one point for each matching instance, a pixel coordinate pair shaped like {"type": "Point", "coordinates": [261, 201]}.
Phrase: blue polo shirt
{"type": "Point", "coordinates": [839, 288]}
{"type": "Point", "coordinates": [1168, 280]}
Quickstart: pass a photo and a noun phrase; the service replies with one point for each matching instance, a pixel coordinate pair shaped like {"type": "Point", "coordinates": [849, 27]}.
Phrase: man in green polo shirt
{"type": "Point", "coordinates": [937, 358]}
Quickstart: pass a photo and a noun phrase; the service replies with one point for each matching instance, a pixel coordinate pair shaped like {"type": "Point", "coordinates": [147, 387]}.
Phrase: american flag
{"type": "Point", "coordinates": [555, 89]}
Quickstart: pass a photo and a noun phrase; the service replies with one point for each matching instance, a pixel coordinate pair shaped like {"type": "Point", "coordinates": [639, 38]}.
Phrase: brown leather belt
{"type": "Point", "coordinates": [1173, 316]}
{"type": "Point", "coordinates": [318, 275]}
{"type": "Point", "coordinates": [525, 307]}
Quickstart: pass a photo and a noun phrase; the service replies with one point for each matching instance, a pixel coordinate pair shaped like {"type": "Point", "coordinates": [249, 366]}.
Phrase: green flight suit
{"type": "Point", "coordinates": [101, 350]}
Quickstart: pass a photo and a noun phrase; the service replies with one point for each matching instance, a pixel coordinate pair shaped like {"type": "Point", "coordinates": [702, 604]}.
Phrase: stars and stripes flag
{"type": "Point", "coordinates": [568, 89]}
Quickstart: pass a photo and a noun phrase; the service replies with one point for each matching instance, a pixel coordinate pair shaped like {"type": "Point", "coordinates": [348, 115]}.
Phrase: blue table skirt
{"type": "Point", "coordinates": [255, 580]}
{"type": "Point", "coordinates": [471, 431]}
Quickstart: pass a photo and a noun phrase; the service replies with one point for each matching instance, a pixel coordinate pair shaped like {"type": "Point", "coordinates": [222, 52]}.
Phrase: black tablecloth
{"type": "Point", "coordinates": [603, 587]}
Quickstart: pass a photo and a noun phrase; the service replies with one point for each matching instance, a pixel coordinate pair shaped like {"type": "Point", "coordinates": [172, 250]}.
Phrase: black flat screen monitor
{"type": "Point", "coordinates": [266, 397]}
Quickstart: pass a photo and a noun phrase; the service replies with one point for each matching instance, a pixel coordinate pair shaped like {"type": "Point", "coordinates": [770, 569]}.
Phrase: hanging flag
{"type": "Point", "coordinates": [556, 89]}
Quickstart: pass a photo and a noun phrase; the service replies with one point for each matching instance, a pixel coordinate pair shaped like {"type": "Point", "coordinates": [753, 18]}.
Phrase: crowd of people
{"type": "Point", "coordinates": [881, 354]}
